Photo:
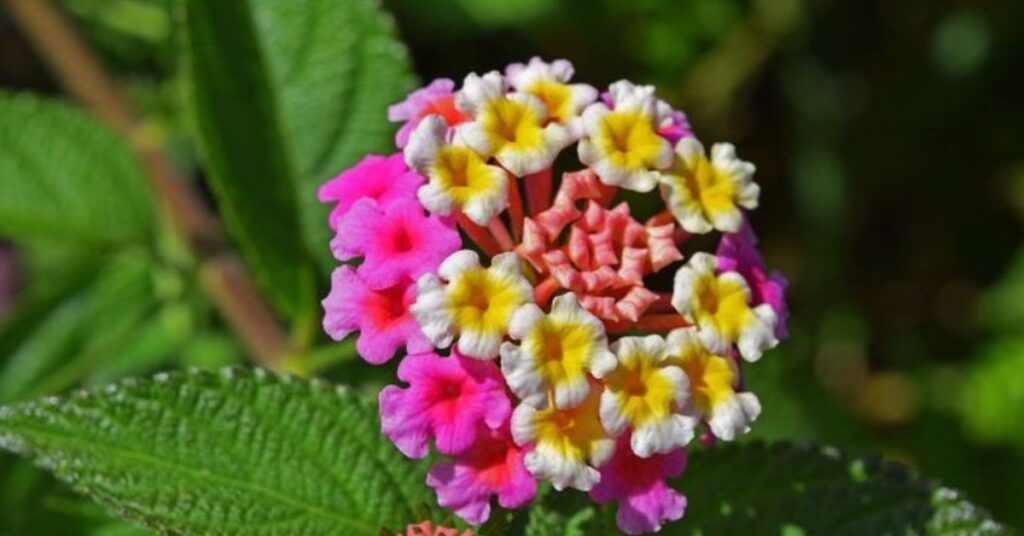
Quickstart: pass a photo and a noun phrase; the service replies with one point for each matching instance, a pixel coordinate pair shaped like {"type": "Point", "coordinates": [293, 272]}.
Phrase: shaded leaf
{"type": "Point", "coordinates": [35, 503]}
{"type": "Point", "coordinates": [761, 489]}
{"type": "Point", "coordinates": [81, 328]}
{"type": "Point", "coordinates": [67, 178]}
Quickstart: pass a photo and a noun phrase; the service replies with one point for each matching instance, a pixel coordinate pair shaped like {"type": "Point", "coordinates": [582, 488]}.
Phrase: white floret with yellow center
{"type": "Point", "coordinates": [719, 306]}
{"type": "Point", "coordinates": [511, 127]}
{"type": "Point", "coordinates": [622, 144]}
{"type": "Point", "coordinates": [555, 353]}
{"type": "Point", "coordinates": [624, 88]}
{"type": "Point", "coordinates": [470, 302]}
{"type": "Point", "coordinates": [569, 444]}
{"type": "Point", "coordinates": [705, 194]}
{"type": "Point", "coordinates": [713, 383]}
{"type": "Point", "coordinates": [549, 82]}
{"type": "Point", "coordinates": [646, 392]}
{"type": "Point", "coordinates": [458, 178]}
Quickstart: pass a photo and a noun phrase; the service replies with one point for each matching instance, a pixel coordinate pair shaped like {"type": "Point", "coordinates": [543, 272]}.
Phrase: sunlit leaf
{"type": "Point", "coordinates": [239, 452]}
{"type": "Point", "coordinates": [286, 94]}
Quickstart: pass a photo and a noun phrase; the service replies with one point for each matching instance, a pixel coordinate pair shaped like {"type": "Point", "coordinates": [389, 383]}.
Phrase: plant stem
{"type": "Point", "coordinates": [223, 276]}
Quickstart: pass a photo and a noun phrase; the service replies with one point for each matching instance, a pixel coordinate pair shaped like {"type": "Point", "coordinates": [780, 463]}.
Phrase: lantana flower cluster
{"type": "Point", "coordinates": [547, 331]}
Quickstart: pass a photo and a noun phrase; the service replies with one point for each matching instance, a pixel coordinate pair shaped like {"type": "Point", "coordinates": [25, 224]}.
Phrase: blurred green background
{"type": "Point", "coordinates": [889, 140]}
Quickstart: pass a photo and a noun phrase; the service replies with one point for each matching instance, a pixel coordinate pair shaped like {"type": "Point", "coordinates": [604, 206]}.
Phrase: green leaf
{"type": "Point", "coordinates": [790, 489]}
{"type": "Point", "coordinates": [67, 178]}
{"type": "Point", "coordinates": [239, 452]}
{"type": "Point", "coordinates": [991, 402]}
{"type": "Point", "coordinates": [286, 94]}
{"type": "Point", "coordinates": [544, 522]}
{"type": "Point", "coordinates": [35, 503]}
{"type": "Point", "coordinates": [1000, 307]}
{"type": "Point", "coordinates": [79, 331]}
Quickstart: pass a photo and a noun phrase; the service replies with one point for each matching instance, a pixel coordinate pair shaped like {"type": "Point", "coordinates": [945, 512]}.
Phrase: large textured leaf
{"type": "Point", "coordinates": [240, 452]}
{"type": "Point", "coordinates": [788, 489]}
{"type": "Point", "coordinates": [285, 94]}
{"type": "Point", "coordinates": [64, 177]}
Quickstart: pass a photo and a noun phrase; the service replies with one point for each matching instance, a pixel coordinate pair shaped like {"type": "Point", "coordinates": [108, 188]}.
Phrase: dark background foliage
{"type": "Point", "coordinates": [889, 140]}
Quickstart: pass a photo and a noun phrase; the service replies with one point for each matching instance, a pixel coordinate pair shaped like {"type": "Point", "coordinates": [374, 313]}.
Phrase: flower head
{"type": "Point", "coordinates": [493, 467]}
{"type": "Point", "coordinates": [645, 392]}
{"type": "Point", "coordinates": [512, 127]}
{"type": "Point", "coordinates": [397, 242]}
{"type": "Point", "coordinates": [557, 350]}
{"type": "Point", "coordinates": [609, 372]}
{"type": "Point", "coordinates": [714, 381]}
{"type": "Point", "coordinates": [549, 82]}
{"type": "Point", "coordinates": [568, 444]}
{"type": "Point", "coordinates": [448, 398]}
{"type": "Point", "coordinates": [622, 144]}
{"type": "Point", "coordinates": [639, 485]}
{"type": "Point", "coordinates": [473, 303]}
{"type": "Point", "coordinates": [719, 304]}
{"type": "Point", "coordinates": [706, 194]}
{"type": "Point", "coordinates": [460, 180]}
{"type": "Point", "coordinates": [380, 316]}
{"type": "Point", "coordinates": [737, 252]}
{"type": "Point", "coordinates": [378, 178]}
{"type": "Point", "coordinates": [436, 98]}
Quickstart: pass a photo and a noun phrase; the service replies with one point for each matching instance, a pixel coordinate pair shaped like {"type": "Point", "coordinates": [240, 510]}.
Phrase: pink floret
{"type": "Point", "coordinates": [448, 399]}
{"type": "Point", "coordinates": [494, 466]}
{"type": "Point", "coordinates": [436, 98]}
{"type": "Point", "coordinates": [678, 129]}
{"type": "Point", "coordinates": [638, 484]}
{"type": "Point", "coordinates": [381, 178]}
{"type": "Point", "coordinates": [396, 242]}
{"type": "Point", "coordinates": [381, 316]}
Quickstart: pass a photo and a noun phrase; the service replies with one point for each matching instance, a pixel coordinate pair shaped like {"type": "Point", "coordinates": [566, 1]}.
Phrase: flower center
{"type": "Point", "coordinates": [629, 139]}
{"type": "Point", "coordinates": [462, 173]}
{"type": "Point", "coordinates": [562, 349]}
{"type": "Point", "coordinates": [495, 459]}
{"type": "Point", "coordinates": [482, 300]}
{"type": "Point", "coordinates": [401, 242]}
{"type": "Point", "coordinates": [707, 295]}
{"type": "Point", "coordinates": [450, 391]}
{"type": "Point", "coordinates": [722, 302]}
{"type": "Point", "coordinates": [710, 377]}
{"type": "Point", "coordinates": [512, 123]}
{"type": "Point", "coordinates": [706, 183]}
{"type": "Point", "coordinates": [389, 305]}
{"type": "Point", "coordinates": [635, 386]}
{"type": "Point", "coordinates": [444, 107]}
{"type": "Point", "coordinates": [641, 392]}
{"type": "Point", "coordinates": [571, 432]}
{"type": "Point", "coordinates": [555, 97]}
